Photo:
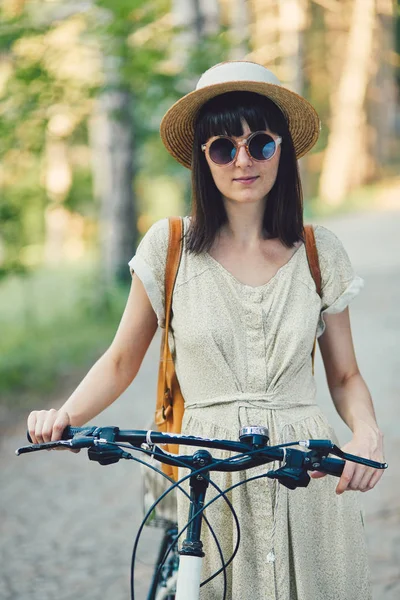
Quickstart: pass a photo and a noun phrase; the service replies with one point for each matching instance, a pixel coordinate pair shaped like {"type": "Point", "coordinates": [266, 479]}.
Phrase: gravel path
{"type": "Point", "coordinates": [67, 525]}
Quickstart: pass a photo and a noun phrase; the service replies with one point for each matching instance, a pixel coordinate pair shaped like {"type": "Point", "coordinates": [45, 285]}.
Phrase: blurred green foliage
{"type": "Point", "coordinates": [39, 80]}
{"type": "Point", "coordinates": [53, 322]}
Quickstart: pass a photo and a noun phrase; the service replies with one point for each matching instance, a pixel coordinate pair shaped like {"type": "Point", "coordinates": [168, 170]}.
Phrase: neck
{"type": "Point", "coordinates": [245, 223]}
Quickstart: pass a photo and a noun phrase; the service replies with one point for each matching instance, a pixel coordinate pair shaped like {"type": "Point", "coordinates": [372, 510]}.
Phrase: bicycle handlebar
{"type": "Point", "coordinates": [297, 462]}
{"type": "Point", "coordinates": [137, 437]}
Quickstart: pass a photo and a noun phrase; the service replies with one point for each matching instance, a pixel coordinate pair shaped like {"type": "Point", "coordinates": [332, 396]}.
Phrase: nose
{"type": "Point", "coordinates": [242, 159]}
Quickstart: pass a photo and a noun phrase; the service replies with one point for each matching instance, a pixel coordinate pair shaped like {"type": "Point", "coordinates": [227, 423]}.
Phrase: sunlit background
{"type": "Point", "coordinates": [83, 173]}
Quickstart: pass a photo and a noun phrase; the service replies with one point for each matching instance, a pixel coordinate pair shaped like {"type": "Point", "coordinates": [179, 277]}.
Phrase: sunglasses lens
{"type": "Point", "coordinates": [262, 146]}
{"type": "Point", "coordinates": [222, 151]}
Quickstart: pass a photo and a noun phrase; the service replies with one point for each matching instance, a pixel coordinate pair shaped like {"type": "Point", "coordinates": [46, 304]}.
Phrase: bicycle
{"type": "Point", "coordinates": [179, 576]}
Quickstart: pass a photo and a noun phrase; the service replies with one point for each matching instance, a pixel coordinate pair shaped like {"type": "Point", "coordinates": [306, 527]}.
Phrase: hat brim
{"type": "Point", "coordinates": [177, 125]}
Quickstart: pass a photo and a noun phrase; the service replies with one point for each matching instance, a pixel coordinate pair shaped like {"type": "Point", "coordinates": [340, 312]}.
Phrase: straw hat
{"type": "Point", "coordinates": [177, 125]}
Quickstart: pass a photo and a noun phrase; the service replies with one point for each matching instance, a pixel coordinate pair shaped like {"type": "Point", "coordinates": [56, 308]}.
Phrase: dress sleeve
{"type": "Point", "coordinates": [149, 265]}
{"type": "Point", "coordinates": [339, 282]}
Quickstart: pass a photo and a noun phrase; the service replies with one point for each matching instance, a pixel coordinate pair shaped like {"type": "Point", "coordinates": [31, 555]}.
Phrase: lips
{"type": "Point", "coordinates": [246, 178]}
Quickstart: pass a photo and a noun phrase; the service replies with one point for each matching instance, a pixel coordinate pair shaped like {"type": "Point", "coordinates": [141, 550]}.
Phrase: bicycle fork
{"type": "Point", "coordinates": [191, 555]}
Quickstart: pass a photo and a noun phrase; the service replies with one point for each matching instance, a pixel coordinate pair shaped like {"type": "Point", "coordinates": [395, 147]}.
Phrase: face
{"type": "Point", "coordinates": [245, 180]}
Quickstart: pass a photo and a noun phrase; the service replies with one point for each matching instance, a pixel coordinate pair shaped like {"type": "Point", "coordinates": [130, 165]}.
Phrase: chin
{"type": "Point", "coordinates": [247, 198]}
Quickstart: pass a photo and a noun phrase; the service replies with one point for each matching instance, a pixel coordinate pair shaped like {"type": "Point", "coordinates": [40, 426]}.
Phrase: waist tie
{"type": "Point", "coordinates": [271, 401]}
{"type": "Point", "coordinates": [234, 416]}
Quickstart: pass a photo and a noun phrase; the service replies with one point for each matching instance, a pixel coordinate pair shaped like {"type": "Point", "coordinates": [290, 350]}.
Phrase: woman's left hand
{"type": "Point", "coordinates": [355, 476]}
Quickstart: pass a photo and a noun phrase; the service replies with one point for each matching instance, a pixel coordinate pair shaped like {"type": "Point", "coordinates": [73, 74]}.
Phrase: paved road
{"type": "Point", "coordinates": [67, 525]}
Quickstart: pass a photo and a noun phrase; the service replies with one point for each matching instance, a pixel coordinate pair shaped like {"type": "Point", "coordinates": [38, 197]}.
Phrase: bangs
{"type": "Point", "coordinates": [224, 115]}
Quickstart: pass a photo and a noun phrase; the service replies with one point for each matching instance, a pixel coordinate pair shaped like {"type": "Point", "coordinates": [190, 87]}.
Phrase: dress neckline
{"type": "Point", "coordinates": [253, 287]}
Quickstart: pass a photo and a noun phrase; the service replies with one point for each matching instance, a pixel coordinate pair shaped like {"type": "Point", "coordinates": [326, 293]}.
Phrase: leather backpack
{"type": "Point", "coordinates": [170, 404]}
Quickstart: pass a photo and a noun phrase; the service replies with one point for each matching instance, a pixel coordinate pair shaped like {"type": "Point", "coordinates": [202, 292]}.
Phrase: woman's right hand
{"type": "Point", "coordinates": [48, 425]}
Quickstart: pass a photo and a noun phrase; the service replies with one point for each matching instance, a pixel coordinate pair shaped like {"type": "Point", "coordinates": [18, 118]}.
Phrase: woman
{"type": "Point", "coordinates": [245, 316]}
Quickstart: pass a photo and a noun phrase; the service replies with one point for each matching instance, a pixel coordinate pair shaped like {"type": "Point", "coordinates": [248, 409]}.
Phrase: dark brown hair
{"type": "Point", "coordinates": [223, 115]}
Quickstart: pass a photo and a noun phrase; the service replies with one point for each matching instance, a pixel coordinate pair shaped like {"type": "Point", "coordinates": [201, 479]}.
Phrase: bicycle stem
{"type": "Point", "coordinates": [192, 545]}
{"type": "Point", "coordinates": [191, 553]}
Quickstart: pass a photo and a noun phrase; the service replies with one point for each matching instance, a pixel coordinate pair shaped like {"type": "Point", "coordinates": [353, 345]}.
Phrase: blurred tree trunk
{"type": "Point", "coordinates": [238, 19]}
{"type": "Point", "coordinates": [343, 160]}
{"type": "Point", "coordinates": [185, 14]}
{"type": "Point", "coordinates": [337, 26]}
{"type": "Point", "coordinates": [264, 32]}
{"type": "Point", "coordinates": [57, 182]}
{"type": "Point", "coordinates": [277, 39]}
{"type": "Point", "coordinates": [293, 20]}
{"type": "Point", "coordinates": [207, 17]}
{"type": "Point", "coordinates": [111, 135]}
{"type": "Point", "coordinates": [381, 99]}
{"type": "Point", "coordinates": [292, 24]}
{"type": "Point", "coordinates": [195, 19]}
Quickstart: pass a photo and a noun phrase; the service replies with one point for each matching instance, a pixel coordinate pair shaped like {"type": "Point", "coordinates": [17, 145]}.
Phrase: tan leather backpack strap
{"type": "Point", "coordinates": [174, 255]}
{"type": "Point", "coordinates": [312, 256]}
{"type": "Point", "coordinates": [313, 262]}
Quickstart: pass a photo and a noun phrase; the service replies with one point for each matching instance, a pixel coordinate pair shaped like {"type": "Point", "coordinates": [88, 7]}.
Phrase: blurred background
{"type": "Point", "coordinates": [83, 173]}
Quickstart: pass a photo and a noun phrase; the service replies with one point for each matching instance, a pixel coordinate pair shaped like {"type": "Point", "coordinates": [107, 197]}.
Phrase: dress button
{"type": "Point", "coordinates": [257, 296]}
{"type": "Point", "coordinates": [253, 332]}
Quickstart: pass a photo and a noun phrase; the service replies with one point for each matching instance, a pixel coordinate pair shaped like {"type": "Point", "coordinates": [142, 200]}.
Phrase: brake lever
{"type": "Point", "coordinates": [331, 448]}
{"type": "Point", "coordinates": [44, 446]}
{"type": "Point", "coordinates": [79, 441]}
{"type": "Point", "coordinates": [362, 461]}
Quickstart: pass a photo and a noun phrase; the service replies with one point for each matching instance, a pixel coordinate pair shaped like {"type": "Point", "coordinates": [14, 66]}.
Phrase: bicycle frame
{"type": "Point", "coordinates": [189, 575]}
{"type": "Point", "coordinates": [168, 578]}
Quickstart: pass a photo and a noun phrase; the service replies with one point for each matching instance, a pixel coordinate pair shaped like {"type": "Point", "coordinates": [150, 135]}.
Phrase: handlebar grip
{"type": "Point", "coordinates": [332, 466]}
{"type": "Point", "coordinates": [68, 432]}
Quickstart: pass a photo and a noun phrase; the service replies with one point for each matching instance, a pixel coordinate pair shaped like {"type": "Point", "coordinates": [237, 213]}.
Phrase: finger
{"type": "Point", "coordinates": [40, 419]}
{"type": "Point", "coordinates": [62, 421]}
{"type": "Point", "coordinates": [47, 427]}
{"type": "Point", "coordinates": [376, 475]}
{"type": "Point", "coordinates": [317, 474]}
{"type": "Point", "coordinates": [74, 450]}
{"type": "Point", "coordinates": [345, 478]}
{"type": "Point", "coordinates": [360, 472]}
{"type": "Point", "coordinates": [366, 479]}
{"type": "Point", "coordinates": [59, 425]}
{"type": "Point", "coordinates": [31, 424]}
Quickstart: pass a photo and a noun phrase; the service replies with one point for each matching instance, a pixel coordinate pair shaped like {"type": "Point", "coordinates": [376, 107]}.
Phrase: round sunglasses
{"type": "Point", "coordinates": [260, 146]}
